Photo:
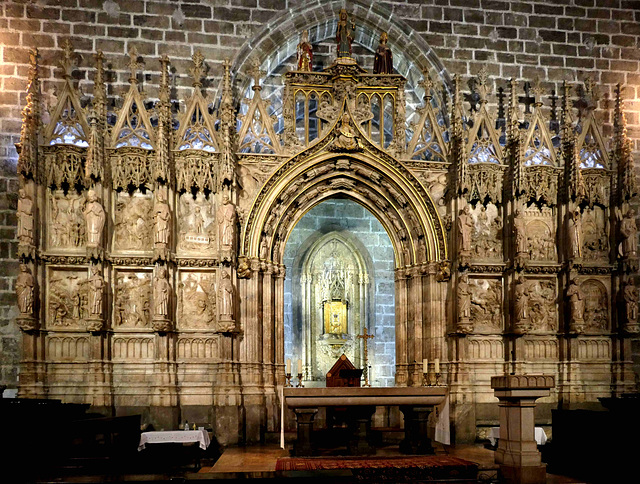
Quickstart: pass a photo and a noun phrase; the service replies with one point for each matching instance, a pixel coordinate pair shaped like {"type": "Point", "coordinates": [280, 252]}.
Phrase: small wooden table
{"type": "Point", "coordinates": [415, 403]}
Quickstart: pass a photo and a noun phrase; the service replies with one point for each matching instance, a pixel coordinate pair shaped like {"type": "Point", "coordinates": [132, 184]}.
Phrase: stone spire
{"type": "Point", "coordinates": [28, 146]}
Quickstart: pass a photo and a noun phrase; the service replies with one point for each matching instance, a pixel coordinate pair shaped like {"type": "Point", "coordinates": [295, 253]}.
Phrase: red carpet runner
{"type": "Point", "coordinates": [438, 467]}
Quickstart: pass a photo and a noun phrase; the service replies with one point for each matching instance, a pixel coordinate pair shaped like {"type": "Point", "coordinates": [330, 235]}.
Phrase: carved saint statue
{"type": "Point", "coordinates": [522, 302]}
{"type": "Point", "coordinates": [383, 62]}
{"type": "Point", "coordinates": [25, 287]}
{"type": "Point", "coordinates": [163, 220]}
{"type": "Point", "coordinates": [226, 296]}
{"type": "Point", "coordinates": [161, 292]}
{"type": "Point", "coordinates": [96, 292]}
{"type": "Point", "coordinates": [226, 221]}
{"type": "Point", "coordinates": [630, 295]}
{"type": "Point", "coordinates": [465, 229]}
{"type": "Point", "coordinates": [95, 217]}
{"type": "Point", "coordinates": [305, 53]}
{"type": "Point", "coordinates": [519, 226]}
{"type": "Point", "coordinates": [629, 232]}
{"type": "Point", "coordinates": [576, 305]}
{"type": "Point", "coordinates": [575, 234]}
{"type": "Point", "coordinates": [464, 304]}
{"type": "Point", "coordinates": [346, 139]}
{"type": "Point", "coordinates": [25, 218]}
{"type": "Point", "coordinates": [344, 34]}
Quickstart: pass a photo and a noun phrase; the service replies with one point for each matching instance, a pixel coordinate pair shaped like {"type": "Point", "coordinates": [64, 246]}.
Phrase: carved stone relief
{"type": "Point", "coordinates": [132, 305]}
{"type": "Point", "coordinates": [436, 183]}
{"type": "Point", "coordinates": [68, 299]}
{"type": "Point", "coordinates": [487, 233]}
{"type": "Point", "coordinates": [539, 234]}
{"type": "Point", "coordinates": [196, 224]}
{"type": "Point", "coordinates": [595, 231]}
{"type": "Point", "coordinates": [596, 306]}
{"type": "Point", "coordinates": [542, 313]}
{"type": "Point", "coordinates": [197, 300]}
{"type": "Point", "coordinates": [134, 222]}
{"type": "Point", "coordinates": [66, 223]}
{"type": "Point", "coordinates": [486, 305]}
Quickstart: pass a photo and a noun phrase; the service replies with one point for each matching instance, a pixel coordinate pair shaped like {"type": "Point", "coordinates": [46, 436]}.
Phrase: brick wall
{"type": "Point", "coordinates": [554, 40]}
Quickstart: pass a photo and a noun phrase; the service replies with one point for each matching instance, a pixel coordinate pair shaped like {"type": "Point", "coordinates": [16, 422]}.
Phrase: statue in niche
{"type": "Point", "coordinates": [226, 221]}
{"type": "Point", "coordinates": [132, 300]}
{"type": "Point", "coordinates": [630, 297]}
{"type": "Point", "coordinates": [96, 291]}
{"type": "Point", "coordinates": [198, 297]}
{"type": "Point", "coordinates": [521, 306]}
{"type": "Point", "coordinates": [486, 304]}
{"type": "Point", "coordinates": [66, 222]}
{"type": "Point", "coordinates": [163, 221]}
{"type": "Point", "coordinates": [196, 223]}
{"type": "Point", "coordinates": [575, 235]}
{"type": "Point", "coordinates": [464, 305]}
{"type": "Point", "coordinates": [576, 307]}
{"type": "Point", "coordinates": [25, 289]}
{"type": "Point", "coordinates": [305, 53]}
{"type": "Point", "coordinates": [226, 296]}
{"type": "Point", "coordinates": [629, 232]}
{"type": "Point", "coordinates": [383, 61]}
{"type": "Point", "coordinates": [25, 218]}
{"type": "Point", "coordinates": [94, 220]}
{"type": "Point", "coordinates": [134, 222]}
{"type": "Point", "coordinates": [344, 34]}
{"type": "Point", "coordinates": [520, 229]}
{"type": "Point", "coordinates": [161, 294]}
{"type": "Point", "coordinates": [465, 230]}
{"type": "Point", "coordinates": [346, 139]}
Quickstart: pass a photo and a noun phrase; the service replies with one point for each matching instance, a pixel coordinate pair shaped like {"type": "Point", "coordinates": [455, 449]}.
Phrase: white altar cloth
{"type": "Point", "coordinates": [175, 437]}
{"type": "Point", "coordinates": [540, 436]}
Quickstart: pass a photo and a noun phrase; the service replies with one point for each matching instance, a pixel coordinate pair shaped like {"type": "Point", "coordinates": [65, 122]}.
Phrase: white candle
{"type": "Point", "coordinates": [425, 365]}
{"type": "Point", "coordinates": [288, 366]}
{"type": "Point", "coordinates": [437, 365]}
{"type": "Point", "coordinates": [299, 367]}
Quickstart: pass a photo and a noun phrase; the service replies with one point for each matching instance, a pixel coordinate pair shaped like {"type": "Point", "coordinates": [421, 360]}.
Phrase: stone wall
{"type": "Point", "coordinates": [350, 217]}
{"type": "Point", "coordinates": [556, 41]}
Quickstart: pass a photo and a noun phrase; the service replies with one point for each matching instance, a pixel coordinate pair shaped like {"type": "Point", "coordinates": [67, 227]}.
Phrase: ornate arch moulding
{"type": "Point", "coordinates": [366, 174]}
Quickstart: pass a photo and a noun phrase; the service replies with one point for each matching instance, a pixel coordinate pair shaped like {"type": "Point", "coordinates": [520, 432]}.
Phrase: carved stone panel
{"type": "Point", "coordinates": [487, 233]}
{"type": "Point", "coordinates": [65, 222]}
{"type": "Point", "coordinates": [436, 183]}
{"type": "Point", "coordinates": [133, 224]}
{"type": "Point", "coordinates": [197, 226]}
{"type": "Point", "coordinates": [68, 348]}
{"type": "Point", "coordinates": [132, 348]}
{"type": "Point", "coordinates": [132, 299]}
{"type": "Point", "coordinates": [486, 348]}
{"type": "Point", "coordinates": [486, 305]}
{"type": "Point", "coordinates": [540, 234]}
{"type": "Point", "coordinates": [197, 300]}
{"type": "Point", "coordinates": [595, 235]}
{"type": "Point", "coordinates": [596, 306]}
{"type": "Point", "coordinates": [199, 348]}
{"type": "Point", "coordinates": [67, 299]}
{"type": "Point", "coordinates": [541, 305]}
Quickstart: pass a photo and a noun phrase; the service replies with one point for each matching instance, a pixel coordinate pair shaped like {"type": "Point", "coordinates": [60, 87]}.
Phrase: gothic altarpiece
{"type": "Point", "coordinates": [151, 246]}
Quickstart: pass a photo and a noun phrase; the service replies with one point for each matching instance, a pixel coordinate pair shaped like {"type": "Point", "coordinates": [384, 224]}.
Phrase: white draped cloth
{"type": "Point", "coordinates": [175, 437]}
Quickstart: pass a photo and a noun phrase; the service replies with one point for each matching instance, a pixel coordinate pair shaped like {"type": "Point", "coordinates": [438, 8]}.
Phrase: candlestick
{"type": "Point", "coordinates": [300, 385]}
{"type": "Point", "coordinates": [288, 382]}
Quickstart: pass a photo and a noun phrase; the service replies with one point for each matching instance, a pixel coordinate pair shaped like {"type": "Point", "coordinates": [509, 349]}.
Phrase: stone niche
{"type": "Point", "coordinates": [341, 281]}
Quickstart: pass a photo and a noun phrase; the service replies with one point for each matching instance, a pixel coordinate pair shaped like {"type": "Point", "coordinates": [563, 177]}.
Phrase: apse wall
{"type": "Point", "coordinates": [563, 40]}
{"type": "Point", "coordinates": [351, 220]}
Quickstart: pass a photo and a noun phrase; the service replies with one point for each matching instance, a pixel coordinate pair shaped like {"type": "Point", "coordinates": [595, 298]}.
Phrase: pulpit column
{"type": "Point", "coordinates": [304, 418]}
{"type": "Point", "coordinates": [517, 454]}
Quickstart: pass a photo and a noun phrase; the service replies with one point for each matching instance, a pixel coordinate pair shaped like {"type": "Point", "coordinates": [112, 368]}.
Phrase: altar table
{"type": "Point", "coordinates": [175, 437]}
{"type": "Point", "coordinates": [415, 403]}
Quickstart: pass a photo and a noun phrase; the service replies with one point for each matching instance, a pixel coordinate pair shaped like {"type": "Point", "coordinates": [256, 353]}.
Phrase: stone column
{"type": "Point", "coordinates": [517, 454]}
